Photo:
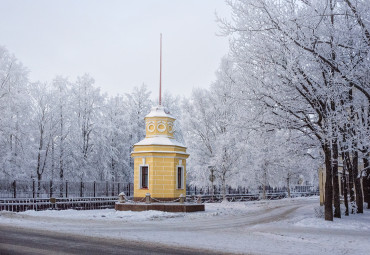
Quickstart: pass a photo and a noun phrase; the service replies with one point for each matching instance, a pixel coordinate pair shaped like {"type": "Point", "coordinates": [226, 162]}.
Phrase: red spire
{"type": "Point", "coordinates": [160, 74]}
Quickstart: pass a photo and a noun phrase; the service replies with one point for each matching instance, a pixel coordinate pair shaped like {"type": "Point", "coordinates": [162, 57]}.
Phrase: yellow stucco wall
{"type": "Point", "coordinates": [162, 176]}
{"type": "Point", "coordinates": [322, 185]}
{"type": "Point", "coordinates": [322, 180]}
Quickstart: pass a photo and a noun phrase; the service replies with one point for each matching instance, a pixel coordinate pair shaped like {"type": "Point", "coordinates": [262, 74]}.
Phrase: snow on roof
{"type": "Point", "coordinates": [159, 140]}
{"type": "Point", "coordinates": [159, 111]}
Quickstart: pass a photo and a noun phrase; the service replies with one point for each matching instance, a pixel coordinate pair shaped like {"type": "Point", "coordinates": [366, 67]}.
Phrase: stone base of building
{"type": "Point", "coordinates": [165, 207]}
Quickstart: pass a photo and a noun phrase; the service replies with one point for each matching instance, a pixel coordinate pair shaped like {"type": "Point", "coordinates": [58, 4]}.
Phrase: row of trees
{"type": "Point", "coordinates": [303, 67]}
{"type": "Point", "coordinates": [231, 142]}
{"type": "Point", "coordinates": [66, 130]}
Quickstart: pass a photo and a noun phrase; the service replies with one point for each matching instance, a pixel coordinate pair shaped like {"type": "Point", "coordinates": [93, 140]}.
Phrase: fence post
{"type": "Point", "coordinates": [106, 188]}
{"type": "Point", "coordinates": [94, 188]}
{"type": "Point", "coordinates": [81, 187]}
{"type": "Point", "coordinates": [15, 189]}
{"type": "Point", "coordinates": [33, 187]}
{"type": "Point", "coordinates": [66, 188]}
{"type": "Point", "coordinates": [51, 188]}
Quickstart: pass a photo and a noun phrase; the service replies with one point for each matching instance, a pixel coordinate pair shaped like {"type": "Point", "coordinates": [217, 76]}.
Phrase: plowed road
{"type": "Point", "coordinates": [269, 228]}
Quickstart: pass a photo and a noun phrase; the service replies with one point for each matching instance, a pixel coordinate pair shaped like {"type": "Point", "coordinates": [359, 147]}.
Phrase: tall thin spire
{"type": "Point", "coordinates": [160, 73]}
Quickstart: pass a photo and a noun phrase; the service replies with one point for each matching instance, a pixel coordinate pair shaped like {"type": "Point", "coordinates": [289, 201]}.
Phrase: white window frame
{"type": "Point", "coordinates": [140, 176]}
{"type": "Point", "coordinates": [182, 176]}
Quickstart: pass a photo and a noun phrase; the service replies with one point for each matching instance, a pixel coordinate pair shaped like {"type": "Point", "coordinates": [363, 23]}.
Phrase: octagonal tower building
{"type": "Point", "coordinates": [159, 160]}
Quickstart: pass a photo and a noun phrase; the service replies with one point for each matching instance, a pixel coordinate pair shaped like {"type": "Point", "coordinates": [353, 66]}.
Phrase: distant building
{"type": "Point", "coordinates": [342, 176]}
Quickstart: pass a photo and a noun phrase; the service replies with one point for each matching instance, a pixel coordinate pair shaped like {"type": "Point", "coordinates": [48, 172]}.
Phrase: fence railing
{"type": "Point", "coordinates": [21, 195]}
{"type": "Point", "coordinates": [68, 189]}
{"type": "Point", "coordinates": [59, 189]}
{"type": "Point", "coordinates": [193, 191]}
{"type": "Point", "coordinates": [38, 204]}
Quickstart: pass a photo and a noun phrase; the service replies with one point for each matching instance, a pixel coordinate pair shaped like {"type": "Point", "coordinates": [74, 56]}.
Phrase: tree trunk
{"type": "Point", "coordinates": [38, 168]}
{"type": "Point", "coordinates": [345, 194]}
{"type": "Point", "coordinates": [61, 168]}
{"type": "Point", "coordinates": [52, 159]}
{"type": "Point", "coordinates": [334, 141]}
{"type": "Point", "coordinates": [61, 147]}
{"type": "Point", "coordinates": [359, 197]}
{"type": "Point", "coordinates": [264, 185]}
{"type": "Point", "coordinates": [224, 189]}
{"type": "Point", "coordinates": [336, 195]}
{"type": "Point", "coordinates": [345, 186]}
{"type": "Point", "coordinates": [350, 180]}
{"type": "Point", "coordinates": [366, 180]}
{"type": "Point", "coordinates": [38, 184]}
{"type": "Point", "coordinates": [288, 186]}
{"type": "Point", "coordinates": [328, 183]}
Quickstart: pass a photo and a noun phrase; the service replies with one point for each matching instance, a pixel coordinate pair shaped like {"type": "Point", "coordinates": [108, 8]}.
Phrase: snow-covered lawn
{"type": "Point", "coordinates": [285, 226]}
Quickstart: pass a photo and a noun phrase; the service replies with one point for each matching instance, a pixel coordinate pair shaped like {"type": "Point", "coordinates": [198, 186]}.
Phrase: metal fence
{"type": "Point", "coordinates": [67, 189]}
{"type": "Point", "coordinates": [304, 189]}
{"type": "Point", "coordinates": [38, 204]}
{"type": "Point", "coordinates": [21, 195]}
{"type": "Point", "coordinates": [46, 189]}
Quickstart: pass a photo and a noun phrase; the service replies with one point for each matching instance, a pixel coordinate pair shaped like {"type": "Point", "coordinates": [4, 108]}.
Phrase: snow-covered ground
{"type": "Point", "coordinates": [287, 226]}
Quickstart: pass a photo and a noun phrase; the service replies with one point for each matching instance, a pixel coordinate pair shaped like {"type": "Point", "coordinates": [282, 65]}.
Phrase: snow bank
{"type": "Point", "coordinates": [359, 222]}
{"type": "Point", "coordinates": [105, 214]}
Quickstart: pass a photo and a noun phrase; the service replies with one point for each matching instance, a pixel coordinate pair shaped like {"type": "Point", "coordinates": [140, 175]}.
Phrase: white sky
{"type": "Point", "coordinates": [117, 42]}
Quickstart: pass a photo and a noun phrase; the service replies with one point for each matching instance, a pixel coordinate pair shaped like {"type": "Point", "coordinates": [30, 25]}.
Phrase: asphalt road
{"type": "Point", "coordinates": [26, 241]}
{"type": "Point", "coordinates": [20, 240]}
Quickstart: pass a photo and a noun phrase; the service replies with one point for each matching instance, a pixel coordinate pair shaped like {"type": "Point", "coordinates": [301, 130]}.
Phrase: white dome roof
{"type": "Point", "coordinates": [159, 111]}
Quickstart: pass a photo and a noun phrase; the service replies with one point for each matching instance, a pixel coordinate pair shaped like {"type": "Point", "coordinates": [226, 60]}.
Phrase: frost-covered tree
{"type": "Point", "coordinates": [173, 105]}
{"type": "Point", "coordinates": [303, 59]}
{"type": "Point", "coordinates": [137, 104]}
{"type": "Point", "coordinates": [87, 105]}
{"type": "Point", "coordinates": [14, 114]}
{"type": "Point", "coordinates": [112, 150]}
{"type": "Point", "coordinates": [43, 127]}
{"type": "Point", "coordinates": [62, 114]}
{"type": "Point", "coordinates": [210, 125]}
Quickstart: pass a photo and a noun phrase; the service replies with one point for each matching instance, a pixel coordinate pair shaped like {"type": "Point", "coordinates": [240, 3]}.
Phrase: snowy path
{"type": "Point", "coordinates": [265, 227]}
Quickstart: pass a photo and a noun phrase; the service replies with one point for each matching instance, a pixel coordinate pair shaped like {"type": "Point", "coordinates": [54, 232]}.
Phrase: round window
{"type": "Point", "coordinates": [151, 126]}
{"type": "Point", "coordinates": [161, 127]}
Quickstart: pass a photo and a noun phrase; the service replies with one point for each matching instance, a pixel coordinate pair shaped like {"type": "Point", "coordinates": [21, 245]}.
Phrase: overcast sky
{"type": "Point", "coordinates": [117, 42]}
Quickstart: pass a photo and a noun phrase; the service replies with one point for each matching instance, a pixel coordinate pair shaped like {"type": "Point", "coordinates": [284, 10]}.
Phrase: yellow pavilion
{"type": "Point", "coordinates": [159, 160]}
